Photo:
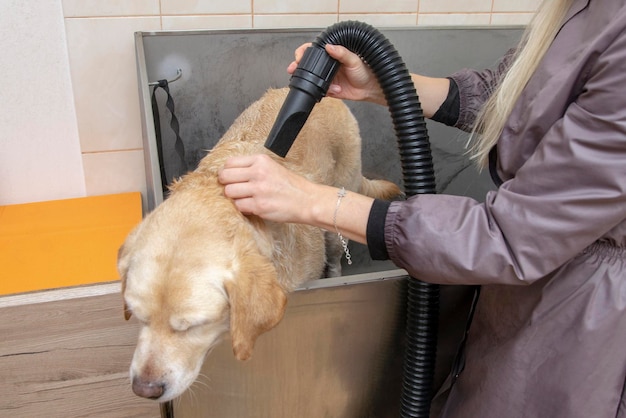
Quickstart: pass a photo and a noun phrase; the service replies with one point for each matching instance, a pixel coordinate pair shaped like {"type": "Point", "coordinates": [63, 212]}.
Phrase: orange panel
{"type": "Point", "coordinates": [62, 243]}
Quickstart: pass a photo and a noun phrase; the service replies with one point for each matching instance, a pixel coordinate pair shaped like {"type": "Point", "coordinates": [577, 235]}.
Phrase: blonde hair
{"type": "Point", "coordinates": [535, 42]}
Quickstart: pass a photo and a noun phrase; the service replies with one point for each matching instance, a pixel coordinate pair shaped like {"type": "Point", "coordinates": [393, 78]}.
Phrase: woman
{"type": "Point", "coordinates": [548, 246]}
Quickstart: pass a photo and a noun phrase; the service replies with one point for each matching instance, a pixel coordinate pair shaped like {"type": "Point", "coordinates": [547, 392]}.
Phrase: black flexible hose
{"type": "Point", "coordinates": [418, 175]}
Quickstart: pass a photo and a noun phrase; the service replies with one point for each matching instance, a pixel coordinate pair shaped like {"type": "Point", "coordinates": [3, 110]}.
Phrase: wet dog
{"type": "Point", "coordinates": [196, 269]}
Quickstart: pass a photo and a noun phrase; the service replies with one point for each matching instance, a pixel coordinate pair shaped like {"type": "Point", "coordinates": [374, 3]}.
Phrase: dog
{"type": "Point", "coordinates": [196, 268]}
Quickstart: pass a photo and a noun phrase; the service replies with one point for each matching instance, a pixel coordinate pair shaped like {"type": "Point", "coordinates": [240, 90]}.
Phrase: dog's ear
{"type": "Point", "coordinates": [122, 267]}
{"type": "Point", "coordinates": [257, 304]}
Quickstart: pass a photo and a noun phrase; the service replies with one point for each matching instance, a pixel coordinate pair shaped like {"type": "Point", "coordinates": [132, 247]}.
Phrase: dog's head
{"type": "Point", "coordinates": [188, 278]}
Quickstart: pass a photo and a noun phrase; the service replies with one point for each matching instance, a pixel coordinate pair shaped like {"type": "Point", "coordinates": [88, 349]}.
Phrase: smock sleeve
{"type": "Point", "coordinates": [475, 87]}
{"type": "Point", "coordinates": [568, 194]}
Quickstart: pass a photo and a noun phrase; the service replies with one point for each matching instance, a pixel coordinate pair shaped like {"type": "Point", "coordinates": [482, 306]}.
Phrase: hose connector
{"type": "Point", "coordinates": [308, 85]}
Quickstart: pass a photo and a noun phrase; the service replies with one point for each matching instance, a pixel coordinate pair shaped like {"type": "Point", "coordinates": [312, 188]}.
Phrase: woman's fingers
{"type": "Point", "coordinates": [343, 55]}
{"type": "Point", "coordinates": [245, 205]}
{"type": "Point", "coordinates": [245, 176]}
{"type": "Point", "coordinates": [300, 50]}
{"type": "Point", "coordinates": [240, 161]}
{"type": "Point", "coordinates": [238, 190]}
{"type": "Point", "coordinates": [237, 170]}
{"type": "Point", "coordinates": [298, 56]}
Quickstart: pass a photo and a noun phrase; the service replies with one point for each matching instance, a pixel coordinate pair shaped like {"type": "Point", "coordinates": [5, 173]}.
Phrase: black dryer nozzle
{"type": "Point", "coordinates": [308, 84]}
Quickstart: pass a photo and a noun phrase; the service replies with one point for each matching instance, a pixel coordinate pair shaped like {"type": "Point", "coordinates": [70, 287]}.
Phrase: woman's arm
{"type": "Point", "coordinates": [260, 186]}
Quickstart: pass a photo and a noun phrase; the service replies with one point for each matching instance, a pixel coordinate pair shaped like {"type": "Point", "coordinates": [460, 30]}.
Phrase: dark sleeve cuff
{"type": "Point", "coordinates": [448, 112]}
{"type": "Point", "coordinates": [375, 233]}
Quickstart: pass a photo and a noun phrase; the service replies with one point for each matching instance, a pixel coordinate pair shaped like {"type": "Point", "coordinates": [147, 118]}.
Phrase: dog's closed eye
{"type": "Point", "coordinates": [180, 324]}
{"type": "Point", "coordinates": [199, 312]}
{"type": "Point", "coordinates": [185, 324]}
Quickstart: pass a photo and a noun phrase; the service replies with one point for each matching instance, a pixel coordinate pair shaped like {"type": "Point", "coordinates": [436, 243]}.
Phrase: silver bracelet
{"type": "Point", "coordinates": [344, 243]}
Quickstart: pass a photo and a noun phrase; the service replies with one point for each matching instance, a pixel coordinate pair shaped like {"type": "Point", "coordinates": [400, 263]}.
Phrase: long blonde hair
{"type": "Point", "coordinates": [535, 42]}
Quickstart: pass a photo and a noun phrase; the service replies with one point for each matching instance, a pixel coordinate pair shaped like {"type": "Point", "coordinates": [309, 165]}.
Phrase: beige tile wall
{"type": "Point", "coordinates": [101, 57]}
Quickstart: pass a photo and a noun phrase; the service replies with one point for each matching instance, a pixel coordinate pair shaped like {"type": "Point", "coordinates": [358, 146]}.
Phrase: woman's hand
{"type": "Point", "coordinates": [353, 81]}
{"type": "Point", "coordinates": [260, 186]}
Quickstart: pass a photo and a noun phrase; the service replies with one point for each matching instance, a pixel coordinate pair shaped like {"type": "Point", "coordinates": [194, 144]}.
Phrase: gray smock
{"type": "Point", "coordinates": [549, 245]}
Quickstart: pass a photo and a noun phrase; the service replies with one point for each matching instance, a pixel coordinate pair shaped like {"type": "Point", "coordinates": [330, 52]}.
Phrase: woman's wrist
{"type": "Point", "coordinates": [335, 211]}
{"type": "Point", "coordinates": [432, 92]}
{"type": "Point", "coordinates": [320, 208]}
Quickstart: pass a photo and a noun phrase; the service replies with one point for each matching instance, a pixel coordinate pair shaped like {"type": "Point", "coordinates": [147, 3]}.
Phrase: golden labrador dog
{"type": "Point", "coordinates": [196, 268]}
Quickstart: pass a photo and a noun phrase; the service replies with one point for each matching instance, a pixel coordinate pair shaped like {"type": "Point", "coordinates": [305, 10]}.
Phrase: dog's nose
{"type": "Point", "coordinates": [148, 389]}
